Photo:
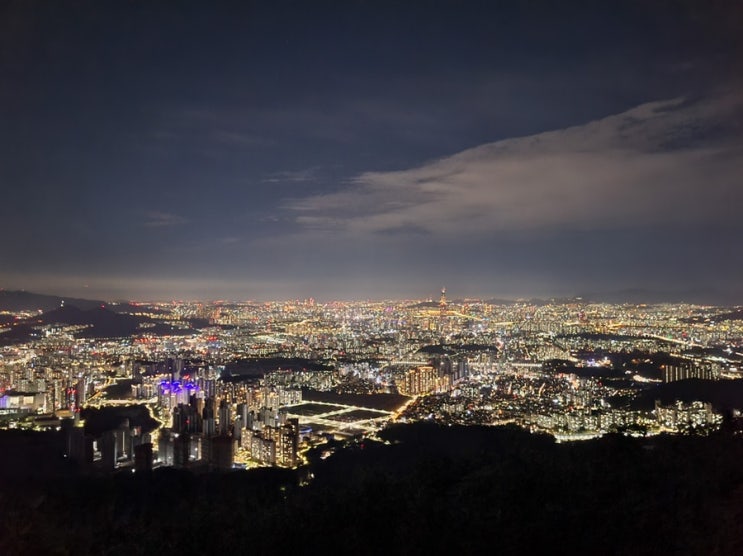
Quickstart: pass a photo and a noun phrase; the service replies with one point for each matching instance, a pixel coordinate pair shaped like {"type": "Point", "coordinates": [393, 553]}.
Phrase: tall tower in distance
{"type": "Point", "coordinates": [442, 300]}
{"type": "Point", "coordinates": [442, 307]}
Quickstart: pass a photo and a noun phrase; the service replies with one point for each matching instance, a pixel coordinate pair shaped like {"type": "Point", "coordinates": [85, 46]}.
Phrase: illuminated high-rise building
{"type": "Point", "coordinates": [686, 370]}
{"type": "Point", "coordinates": [288, 443]}
{"type": "Point", "coordinates": [423, 380]}
{"type": "Point", "coordinates": [443, 311]}
{"type": "Point", "coordinates": [242, 413]}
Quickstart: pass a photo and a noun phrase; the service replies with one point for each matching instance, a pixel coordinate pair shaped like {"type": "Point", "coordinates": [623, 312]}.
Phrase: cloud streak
{"type": "Point", "coordinates": [159, 219]}
{"type": "Point", "coordinates": [658, 164]}
{"type": "Point", "coordinates": [296, 176]}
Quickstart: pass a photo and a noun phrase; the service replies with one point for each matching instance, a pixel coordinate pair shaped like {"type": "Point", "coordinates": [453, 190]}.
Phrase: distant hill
{"type": "Point", "coordinates": [498, 301]}
{"type": "Point", "coordinates": [426, 305]}
{"type": "Point", "coordinates": [724, 395]}
{"type": "Point", "coordinates": [732, 315]}
{"type": "Point", "coordinates": [17, 334]}
{"type": "Point", "coordinates": [701, 296]}
{"type": "Point", "coordinates": [100, 321]}
{"type": "Point", "coordinates": [451, 349]}
{"type": "Point", "coordinates": [21, 300]}
{"type": "Point", "coordinates": [635, 296]}
{"type": "Point", "coordinates": [103, 322]}
{"type": "Point", "coordinates": [537, 301]}
{"type": "Point", "coordinates": [386, 402]}
{"type": "Point", "coordinates": [434, 350]}
{"type": "Point", "coordinates": [502, 301]}
{"type": "Point", "coordinates": [256, 367]}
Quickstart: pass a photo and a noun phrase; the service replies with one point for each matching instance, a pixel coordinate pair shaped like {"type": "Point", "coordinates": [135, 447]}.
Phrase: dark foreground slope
{"type": "Point", "coordinates": [433, 491]}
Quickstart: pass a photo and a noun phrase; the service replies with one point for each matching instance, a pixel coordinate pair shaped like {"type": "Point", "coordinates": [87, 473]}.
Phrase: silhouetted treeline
{"type": "Point", "coordinates": [434, 490]}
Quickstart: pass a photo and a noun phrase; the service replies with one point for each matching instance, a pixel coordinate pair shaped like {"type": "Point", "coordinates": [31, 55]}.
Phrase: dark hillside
{"type": "Point", "coordinates": [433, 490]}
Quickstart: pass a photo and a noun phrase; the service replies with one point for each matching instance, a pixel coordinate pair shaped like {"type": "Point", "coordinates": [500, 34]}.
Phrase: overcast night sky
{"type": "Point", "coordinates": [347, 150]}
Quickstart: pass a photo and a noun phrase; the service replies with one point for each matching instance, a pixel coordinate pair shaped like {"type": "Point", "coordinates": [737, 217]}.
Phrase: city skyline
{"type": "Point", "coordinates": [371, 151]}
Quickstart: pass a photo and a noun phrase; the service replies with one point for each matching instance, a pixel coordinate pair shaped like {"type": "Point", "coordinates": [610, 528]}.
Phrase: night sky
{"type": "Point", "coordinates": [347, 150]}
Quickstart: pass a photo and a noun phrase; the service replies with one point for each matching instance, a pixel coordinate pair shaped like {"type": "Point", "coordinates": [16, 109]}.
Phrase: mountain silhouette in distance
{"type": "Point", "coordinates": [21, 300]}
{"type": "Point", "coordinates": [100, 322]}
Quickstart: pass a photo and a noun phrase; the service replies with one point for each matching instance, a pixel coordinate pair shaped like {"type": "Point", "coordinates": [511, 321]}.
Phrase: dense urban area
{"type": "Point", "coordinates": [225, 385]}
